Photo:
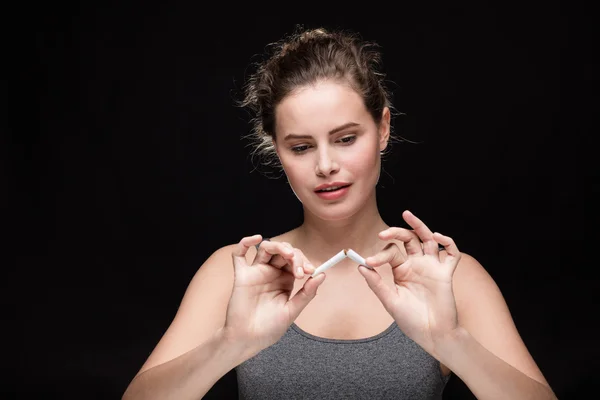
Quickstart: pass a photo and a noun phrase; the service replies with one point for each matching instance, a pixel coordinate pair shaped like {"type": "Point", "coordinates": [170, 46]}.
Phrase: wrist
{"type": "Point", "coordinates": [232, 347]}
{"type": "Point", "coordinates": [447, 346]}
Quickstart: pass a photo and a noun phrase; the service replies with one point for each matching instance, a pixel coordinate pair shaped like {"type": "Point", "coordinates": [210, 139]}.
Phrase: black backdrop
{"type": "Point", "coordinates": [126, 170]}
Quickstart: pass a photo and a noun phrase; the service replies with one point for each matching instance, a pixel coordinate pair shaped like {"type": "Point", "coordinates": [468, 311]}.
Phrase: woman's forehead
{"type": "Point", "coordinates": [318, 109]}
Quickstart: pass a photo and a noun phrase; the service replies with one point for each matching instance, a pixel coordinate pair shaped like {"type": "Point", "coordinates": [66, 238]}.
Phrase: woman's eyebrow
{"type": "Point", "coordinates": [331, 132]}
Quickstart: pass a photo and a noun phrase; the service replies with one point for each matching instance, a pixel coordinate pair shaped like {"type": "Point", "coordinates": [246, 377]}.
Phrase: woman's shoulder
{"type": "Point", "coordinates": [226, 251]}
{"type": "Point", "coordinates": [287, 237]}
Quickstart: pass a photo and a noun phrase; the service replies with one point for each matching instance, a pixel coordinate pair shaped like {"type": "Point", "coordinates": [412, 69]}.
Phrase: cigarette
{"type": "Point", "coordinates": [354, 256]}
{"type": "Point", "coordinates": [330, 263]}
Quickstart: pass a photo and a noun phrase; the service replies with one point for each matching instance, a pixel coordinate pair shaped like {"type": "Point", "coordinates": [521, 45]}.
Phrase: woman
{"type": "Point", "coordinates": [394, 330]}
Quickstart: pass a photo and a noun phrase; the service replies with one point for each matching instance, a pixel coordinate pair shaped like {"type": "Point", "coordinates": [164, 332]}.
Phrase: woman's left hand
{"type": "Point", "coordinates": [422, 302]}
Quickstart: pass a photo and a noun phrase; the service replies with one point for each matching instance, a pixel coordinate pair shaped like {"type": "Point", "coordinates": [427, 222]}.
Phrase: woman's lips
{"type": "Point", "coordinates": [334, 194]}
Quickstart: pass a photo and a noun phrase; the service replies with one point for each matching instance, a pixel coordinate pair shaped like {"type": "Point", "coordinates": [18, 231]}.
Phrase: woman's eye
{"type": "Point", "coordinates": [302, 148]}
{"type": "Point", "coordinates": [299, 149]}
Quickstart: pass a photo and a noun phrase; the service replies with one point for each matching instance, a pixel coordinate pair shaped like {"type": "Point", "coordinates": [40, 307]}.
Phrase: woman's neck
{"type": "Point", "coordinates": [321, 239]}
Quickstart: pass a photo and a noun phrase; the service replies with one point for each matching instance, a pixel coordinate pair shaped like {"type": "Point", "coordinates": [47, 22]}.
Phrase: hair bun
{"type": "Point", "coordinates": [302, 37]}
{"type": "Point", "coordinates": [313, 34]}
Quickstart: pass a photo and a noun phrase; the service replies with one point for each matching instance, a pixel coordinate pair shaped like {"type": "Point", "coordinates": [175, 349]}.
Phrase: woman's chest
{"type": "Point", "coordinates": [344, 309]}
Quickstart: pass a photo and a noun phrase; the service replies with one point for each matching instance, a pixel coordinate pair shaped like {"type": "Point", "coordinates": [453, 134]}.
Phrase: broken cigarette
{"type": "Point", "coordinates": [330, 263]}
{"type": "Point", "coordinates": [354, 256]}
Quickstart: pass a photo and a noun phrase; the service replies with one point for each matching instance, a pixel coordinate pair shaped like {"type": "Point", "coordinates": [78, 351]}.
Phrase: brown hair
{"type": "Point", "coordinates": [304, 58]}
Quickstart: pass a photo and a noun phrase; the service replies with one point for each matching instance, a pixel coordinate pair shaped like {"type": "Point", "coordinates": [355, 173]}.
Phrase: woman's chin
{"type": "Point", "coordinates": [337, 210]}
{"type": "Point", "coordinates": [332, 213]}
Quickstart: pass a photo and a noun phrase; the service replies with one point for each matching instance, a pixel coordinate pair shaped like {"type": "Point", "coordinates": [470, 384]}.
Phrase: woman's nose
{"type": "Point", "coordinates": [326, 164]}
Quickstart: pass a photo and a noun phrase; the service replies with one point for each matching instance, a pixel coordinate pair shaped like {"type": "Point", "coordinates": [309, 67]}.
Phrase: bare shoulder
{"type": "Point", "coordinates": [484, 313]}
{"type": "Point", "coordinates": [470, 280]}
{"type": "Point", "coordinates": [202, 309]}
{"type": "Point", "coordinates": [468, 268]}
{"type": "Point", "coordinates": [223, 257]}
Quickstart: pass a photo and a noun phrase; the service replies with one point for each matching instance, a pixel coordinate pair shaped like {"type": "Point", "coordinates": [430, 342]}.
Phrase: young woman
{"type": "Point", "coordinates": [393, 331]}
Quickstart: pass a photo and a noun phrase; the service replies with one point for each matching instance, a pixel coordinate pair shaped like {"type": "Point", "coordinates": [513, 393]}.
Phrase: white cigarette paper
{"type": "Point", "coordinates": [354, 256]}
{"type": "Point", "coordinates": [330, 263]}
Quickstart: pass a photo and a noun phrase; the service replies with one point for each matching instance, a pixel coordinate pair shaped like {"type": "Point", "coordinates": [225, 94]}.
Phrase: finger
{"type": "Point", "coordinates": [390, 254]}
{"type": "Point", "coordinates": [239, 251]}
{"type": "Point", "coordinates": [301, 299]}
{"type": "Point", "coordinates": [410, 239]}
{"type": "Point", "coordinates": [294, 265]}
{"type": "Point", "coordinates": [268, 249]}
{"type": "Point", "coordinates": [384, 293]}
{"type": "Point", "coordinates": [279, 262]}
{"type": "Point", "coordinates": [430, 246]}
{"type": "Point", "coordinates": [282, 255]}
{"type": "Point", "coordinates": [300, 264]}
{"type": "Point", "coordinates": [450, 247]}
{"type": "Point", "coordinates": [309, 268]}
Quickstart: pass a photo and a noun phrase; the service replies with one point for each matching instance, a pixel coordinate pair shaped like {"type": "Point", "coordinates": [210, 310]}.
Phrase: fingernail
{"type": "Point", "coordinates": [300, 271]}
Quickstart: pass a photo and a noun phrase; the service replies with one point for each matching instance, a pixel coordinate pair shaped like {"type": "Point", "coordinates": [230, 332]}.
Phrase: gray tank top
{"type": "Point", "coordinates": [389, 365]}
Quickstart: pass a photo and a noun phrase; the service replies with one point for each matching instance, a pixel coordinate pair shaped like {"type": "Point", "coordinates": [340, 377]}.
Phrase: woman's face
{"type": "Point", "coordinates": [325, 136]}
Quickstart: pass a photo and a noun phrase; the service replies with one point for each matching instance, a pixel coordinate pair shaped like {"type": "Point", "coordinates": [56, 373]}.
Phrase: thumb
{"type": "Point", "coordinates": [301, 299]}
{"type": "Point", "coordinates": [383, 292]}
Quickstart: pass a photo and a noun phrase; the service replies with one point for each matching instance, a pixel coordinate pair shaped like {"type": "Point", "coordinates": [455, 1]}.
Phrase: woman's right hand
{"type": "Point", "coordinates": [260, 309]}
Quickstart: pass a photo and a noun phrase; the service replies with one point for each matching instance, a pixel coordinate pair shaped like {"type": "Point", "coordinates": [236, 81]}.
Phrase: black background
{"type": "Point", "coordinates": [126, 170]}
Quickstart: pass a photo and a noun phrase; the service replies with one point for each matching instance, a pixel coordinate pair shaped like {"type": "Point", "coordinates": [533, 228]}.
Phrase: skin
{"type": "Point", "coordinates": [311, 155]}
{"type": "Point", "coordinates": [350, 155]}
{"type": "Point", "coordinates": [444, 300]}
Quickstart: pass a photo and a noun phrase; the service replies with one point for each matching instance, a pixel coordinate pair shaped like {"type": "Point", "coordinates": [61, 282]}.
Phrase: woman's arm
{"type": "Point", "coordinates": [487, 352]}
{"type": "Point", "coordinates": [226, 317]}
{"type": "Point", "coordinates": [191, 375]}
{"type": "Point", "coordinates": [486, 375]}
{"type": "Point", "coordinates": [194, 352]}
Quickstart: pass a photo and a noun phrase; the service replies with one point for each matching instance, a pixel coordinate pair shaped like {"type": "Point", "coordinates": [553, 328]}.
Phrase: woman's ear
{"type": "Point", "coordinates": [384, 129]}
